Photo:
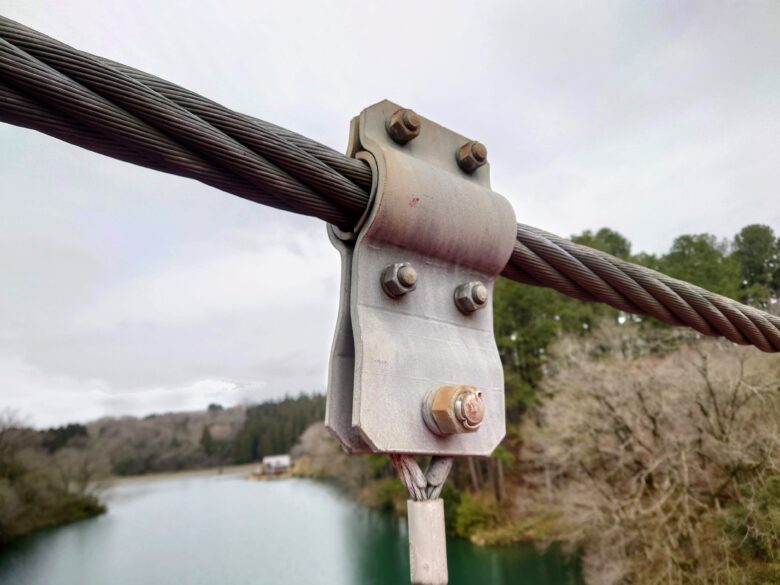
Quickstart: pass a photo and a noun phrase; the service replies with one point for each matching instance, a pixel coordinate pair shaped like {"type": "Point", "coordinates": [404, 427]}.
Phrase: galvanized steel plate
{"type": "Point", "coordinates": [389, 353]}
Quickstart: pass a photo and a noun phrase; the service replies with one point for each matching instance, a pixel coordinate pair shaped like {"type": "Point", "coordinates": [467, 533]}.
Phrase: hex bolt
{"type": "Point", "coordinates": [471, 156]}
{"type": "Point", "coordinates": [398, 279]}
{"type": "Point", "coordinates": [404, 125]}
{"type": "Point", "coordinates": [448, 410]}
{"type": "Point", "coordinates": [471, 296]}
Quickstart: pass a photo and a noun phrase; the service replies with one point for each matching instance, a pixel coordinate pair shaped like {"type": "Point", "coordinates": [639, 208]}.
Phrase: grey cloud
{"type": "Point", "coordinates": [124, 290]}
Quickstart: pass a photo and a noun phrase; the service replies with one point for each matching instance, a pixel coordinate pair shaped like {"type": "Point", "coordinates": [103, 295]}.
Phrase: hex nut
{"type": "Point", "coordinates": [404, 125]}
{"type": "Point", "coordinates": [449, 410]}
{"type": "Point", "coordinates": [471, 156]}
{"type": "Point", "coordinates": [471, 296]}
{"type": "Point", "coordinates": [398, 279]}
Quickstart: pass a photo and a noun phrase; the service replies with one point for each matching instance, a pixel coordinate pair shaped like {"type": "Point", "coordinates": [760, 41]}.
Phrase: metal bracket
{"type": "Point", "coordinates": [390, 352]}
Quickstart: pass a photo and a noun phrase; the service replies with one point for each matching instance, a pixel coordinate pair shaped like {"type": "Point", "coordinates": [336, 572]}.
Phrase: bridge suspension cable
{"type": "Point", "coordinates": [129, 115]}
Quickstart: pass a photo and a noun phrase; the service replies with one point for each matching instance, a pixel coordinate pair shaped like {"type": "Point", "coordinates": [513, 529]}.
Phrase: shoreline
{"type": "Point", "coordinates": [247, 468]}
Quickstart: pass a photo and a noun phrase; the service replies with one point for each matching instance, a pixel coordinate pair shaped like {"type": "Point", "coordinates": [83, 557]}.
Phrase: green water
{"type": "Point", "coordinates": [224, 530]}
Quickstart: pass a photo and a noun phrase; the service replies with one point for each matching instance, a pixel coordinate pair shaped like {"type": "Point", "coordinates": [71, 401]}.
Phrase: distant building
{"type": "Point", "coordinates": [273, 464]}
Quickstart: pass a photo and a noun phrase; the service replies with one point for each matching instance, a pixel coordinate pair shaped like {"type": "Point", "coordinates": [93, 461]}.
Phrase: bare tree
{"type": "Point", "coordinates": [80, 470]}
{"type": "Point", "coordinates": [12, 429]}
{"type": "Point", "coordinates": [638, 457]}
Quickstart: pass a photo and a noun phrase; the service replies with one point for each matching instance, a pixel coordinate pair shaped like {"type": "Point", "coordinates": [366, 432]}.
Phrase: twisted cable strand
{"type": "Point", "coordinates": [639, 290]}
{"type": "Point", "coordinates": [20, 110]}
{"type": "Point", "coordinates": [422, 486]}
{"type": "Point", "coordinates": [25, 51]}
{"type": "Point", "coordinates": [256, 135]}
{"type": "Point", "coordinates": [59, 93]}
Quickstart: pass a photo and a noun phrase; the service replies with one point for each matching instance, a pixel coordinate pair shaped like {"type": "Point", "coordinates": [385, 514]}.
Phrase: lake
{"type": "Point", "coordinates": [225, 530]}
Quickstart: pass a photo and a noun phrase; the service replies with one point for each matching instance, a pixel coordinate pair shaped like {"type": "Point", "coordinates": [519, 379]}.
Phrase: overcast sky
{"type": "Point", "coordinates": [125, 291]}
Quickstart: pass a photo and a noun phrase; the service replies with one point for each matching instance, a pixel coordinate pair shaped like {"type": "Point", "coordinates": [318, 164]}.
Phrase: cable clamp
{"type": "Point", "coordinates": [414, 365]}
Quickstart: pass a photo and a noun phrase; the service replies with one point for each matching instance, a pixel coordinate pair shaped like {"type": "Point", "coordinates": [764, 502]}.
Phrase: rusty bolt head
{"type": "Point", "coordinates": [471, 156]}
{"type": "Point", "coordinates": [398, 279]}
{"type": "Point", "coordinates": [471, 296]}
{"type": "Point", "coordinates": [403, 126]}
{"type": "Point", "coordinates": [454, 409]}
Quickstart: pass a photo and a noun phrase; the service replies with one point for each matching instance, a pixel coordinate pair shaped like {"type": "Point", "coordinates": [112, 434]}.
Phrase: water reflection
{"type": "Point", "coordinates": [225, 530]}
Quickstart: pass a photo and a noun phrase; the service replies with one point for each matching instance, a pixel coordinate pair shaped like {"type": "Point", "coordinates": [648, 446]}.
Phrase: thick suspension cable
{"type": "Point", "coordinates": [94, 94]}
{"type": "Point", "coordinates": [132, 116]}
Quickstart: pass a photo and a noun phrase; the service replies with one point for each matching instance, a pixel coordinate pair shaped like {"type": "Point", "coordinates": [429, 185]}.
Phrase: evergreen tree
{"type": "Point", "coordinates": [606, 240]}
{"type": "Point", "coordinates": [207, 441]}
{"type": "Point", "coordinates": [273, 427]}
{"type": "Point", "coordinates": [703, 260]}
{"type": "Point", "coordinates": [756, 249]}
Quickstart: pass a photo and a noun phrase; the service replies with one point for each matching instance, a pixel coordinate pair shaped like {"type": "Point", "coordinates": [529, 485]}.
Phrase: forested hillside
{"type": "Point", "coordinates": [165, 442]}
{"type": "Point", "coordinates": [274, 427]}
{"type": "Point", "coordinates": [191, 440]}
